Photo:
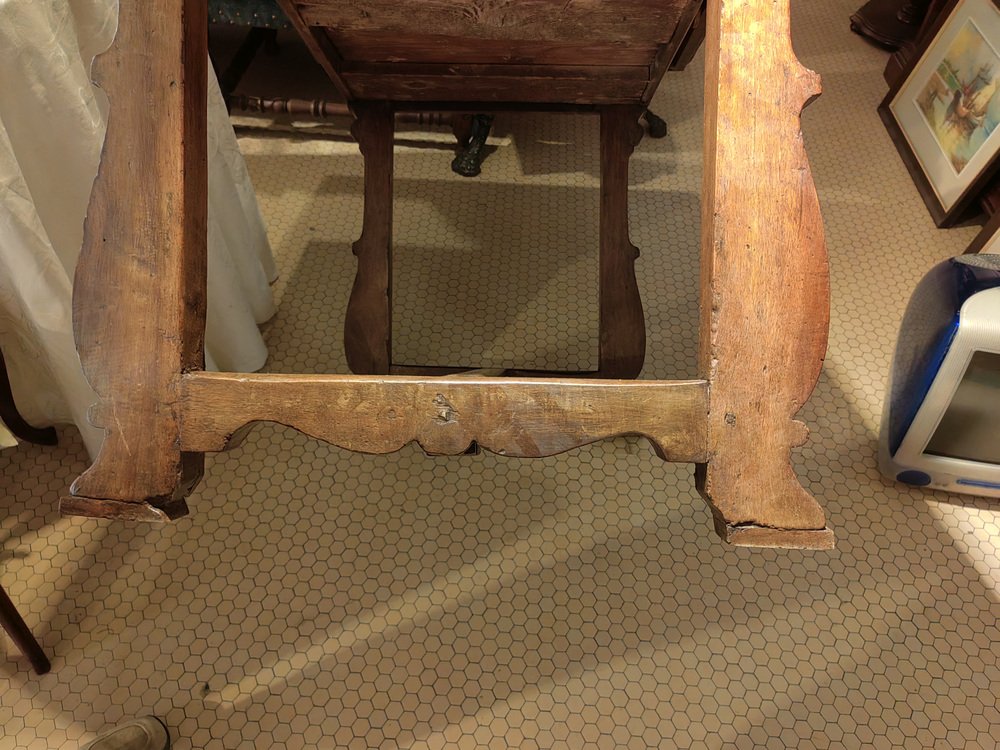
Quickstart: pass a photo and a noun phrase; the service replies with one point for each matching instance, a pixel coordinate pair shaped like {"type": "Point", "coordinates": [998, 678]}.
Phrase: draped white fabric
{"type": "Point", "coordinates": [52, 123]}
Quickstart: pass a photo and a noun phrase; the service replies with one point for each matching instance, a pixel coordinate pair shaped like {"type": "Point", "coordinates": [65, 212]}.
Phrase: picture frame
{"type": "Point", "coordinates": [944, 110]}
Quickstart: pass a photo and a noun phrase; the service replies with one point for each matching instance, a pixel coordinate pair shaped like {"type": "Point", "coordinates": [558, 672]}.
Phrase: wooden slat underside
{"type": "Point", "coordinates": [382, 46]}
{"type": "Point", "coordinates": [625, 43]}
{"type": "Point", "coordinates": [405, 88]}
{"type": "Point", "coordinates": [376, 414]}
{"type": "Point", "coordinates": [635, 22]}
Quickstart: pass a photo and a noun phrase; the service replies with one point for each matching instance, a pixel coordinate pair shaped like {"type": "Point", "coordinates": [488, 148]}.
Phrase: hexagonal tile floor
{"type": "Point", "coordinates": [316, 598]}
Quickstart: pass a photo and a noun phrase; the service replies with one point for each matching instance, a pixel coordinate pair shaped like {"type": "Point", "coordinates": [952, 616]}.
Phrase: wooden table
{"type": "Point", "coordinates": [139, 305]}
{"type": "Point", "coordinates": [386, 56]}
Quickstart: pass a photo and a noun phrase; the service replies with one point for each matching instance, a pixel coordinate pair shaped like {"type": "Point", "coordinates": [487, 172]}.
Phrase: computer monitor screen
{"type": "Point", "coordinates": [970, 428]}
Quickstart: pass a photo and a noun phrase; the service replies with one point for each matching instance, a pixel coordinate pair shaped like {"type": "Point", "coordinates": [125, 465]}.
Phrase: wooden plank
{"type": "Point", "coordinates": [368, 323]}
{"type": "Point", "coordinates": [383, 46]}
{"type": "Point", "coordinates": [481, 70]}
{"type": "Point", "coordinates": [646, 22]}
{"type": "Point", "coordinates": [622, 325]}
{"type": "Point", "coordinates": [527, 418]}
{"type": "Point", "coordinates": [692, 41]}
{"type": "Point", "coordinates": [320, 46]}
{"type": "Point", "coordinates": [139, 293]}
{"type": "Point", "coordinates": [367, 86]}
{"type": "Point", "coordinates": [685, 33]}
{"type": "Point", "coordinates": [765, 280]}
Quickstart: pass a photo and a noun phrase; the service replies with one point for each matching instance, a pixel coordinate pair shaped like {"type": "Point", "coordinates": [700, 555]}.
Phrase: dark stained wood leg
{"type": "Point", "coordinates": [765, 281]}
{"type": "Point", "coordinates": [368, 327]}
{"type": "Point", "coordinates": [461, 127]}
{"type": "Point", "coordinates": [656, 124]}
{"type": "Point", "coordinates": [622, 326]}
{"type": "Point", "coordinates": [230, 78]}
{"type": "Point", "coordinates": [139, 291]}
{"type": "Point", "coordinates": [18, 631]}
{"type": "Point", "coordinates": [11, 417]}
{"type": "Point", "coordinates": [469, 161]}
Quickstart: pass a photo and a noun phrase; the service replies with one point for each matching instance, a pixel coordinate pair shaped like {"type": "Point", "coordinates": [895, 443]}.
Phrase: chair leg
{"type": "Point", "coordinates": [470, 158]}
{"type": "Point", "coordinates": [368, 326]}
{"type": "Point", "coordinates": [10, 416]}
{"type": "Point", "coordinates": [622, 326]}
{"type": "Point", "coordinates": [656, 124]}
{"type": "Point", "coordinates": [18, 630]}
{"type": "Point", "coordinates": [230, 78]}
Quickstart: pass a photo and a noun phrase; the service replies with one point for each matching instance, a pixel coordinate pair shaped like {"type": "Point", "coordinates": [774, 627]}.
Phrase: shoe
{"type": "Point", "coordinates": [144, 733]}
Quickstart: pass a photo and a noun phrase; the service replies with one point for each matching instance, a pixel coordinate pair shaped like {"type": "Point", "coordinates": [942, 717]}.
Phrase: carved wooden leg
{"type": "Point", "coordinates": [139, 293]}
{"type": "Point", "coordinates": [765, 282]}
{"type": "Point", "coordinates": [622, 327]}
{"type": "Point", "coordinates": [19, 632]}
{"type": "Point", "coordinates": [368, 328]}
{"type": "Point", "coordinates": [469, 161]}
{"type": "Point", "coordinates": [656, 124]}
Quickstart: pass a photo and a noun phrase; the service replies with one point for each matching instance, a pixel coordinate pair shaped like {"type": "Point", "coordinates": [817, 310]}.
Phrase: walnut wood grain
{"type": "Point", "coordinates": [389, 47]}
{"type": "Point", "coordinates": [765, 282]}
{"type": "Point", "coordinates": [320, 46]}
{"type": "Point", "coordinates": [407, 87]}
{"type": "Point", "coordinates": [615, 72]}
{"type": "Point", "coordinates": [630, 21]}
{"type": "Point", "coordinates": [139, 293]}
{"type": "Point", "coordinates": [368, 324]}
{"type": "Point", "coordinates": [446, 415]}
{"type": "Point", "coordinates": [622, 348]}
{"type": "Point", "coordinates": [687, 34]}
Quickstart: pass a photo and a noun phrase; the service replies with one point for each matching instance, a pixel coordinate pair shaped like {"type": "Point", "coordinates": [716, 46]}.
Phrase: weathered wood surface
{"type": "Point", "coordinates": [528, 418]}
{"type": "Point", "coordinates": [389, 47]}
{"type": "Point", "coordinates": [357, 41]}
{"type": "Point", "coordinates": [139, 293]}
{"type": "Point", "coordinates": [368, 324]}
{"type": "Point", "coordinates": [622, 348]}
{"type": "Point", "coordinates": [607, 72]}
{"type": "Point", "coordinates": [320, 46]}
{"type": "Point", "coordinates": [631, 21]}
{"type": "Point", "coordinates": [494, 88]}
{"type": "Point", "coordinates": [139, 304]}
{"type": "Point", "coordinates": [765, 281]}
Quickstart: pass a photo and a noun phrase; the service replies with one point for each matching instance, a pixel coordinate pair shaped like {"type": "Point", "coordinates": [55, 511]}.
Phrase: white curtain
{"type": "Point", "coordinates": [51, 132]}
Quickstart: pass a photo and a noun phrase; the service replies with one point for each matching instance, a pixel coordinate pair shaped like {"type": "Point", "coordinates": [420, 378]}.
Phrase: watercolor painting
{"type": "Point", "coordinates": [959, 102]}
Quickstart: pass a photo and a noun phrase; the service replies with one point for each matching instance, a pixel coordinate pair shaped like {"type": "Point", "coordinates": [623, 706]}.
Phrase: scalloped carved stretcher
{"type": "Point", "coordinates": [139, 304]}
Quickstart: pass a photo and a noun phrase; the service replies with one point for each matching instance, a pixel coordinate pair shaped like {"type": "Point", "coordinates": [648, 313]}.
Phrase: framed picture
{"type": "Point", "coordinates": [943, 111]}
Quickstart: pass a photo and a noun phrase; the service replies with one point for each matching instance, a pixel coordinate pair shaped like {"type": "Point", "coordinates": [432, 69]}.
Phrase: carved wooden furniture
{"type": "Point", "coordinates": [139, 301]}
{"type": "Point", "coordinates": [386, 55]}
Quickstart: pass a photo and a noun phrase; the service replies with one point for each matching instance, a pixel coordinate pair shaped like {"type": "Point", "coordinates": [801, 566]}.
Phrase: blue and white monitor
{"type": "Point", "coordinates": [941, 419]}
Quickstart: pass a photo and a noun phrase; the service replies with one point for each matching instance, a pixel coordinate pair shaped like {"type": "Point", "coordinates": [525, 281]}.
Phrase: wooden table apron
{"type": "Point", "coordinates": [139, 305]}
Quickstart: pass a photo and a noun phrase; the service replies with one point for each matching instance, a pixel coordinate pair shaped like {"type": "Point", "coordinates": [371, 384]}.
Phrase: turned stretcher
{"type": "Point", "coordinates": [139, 299]}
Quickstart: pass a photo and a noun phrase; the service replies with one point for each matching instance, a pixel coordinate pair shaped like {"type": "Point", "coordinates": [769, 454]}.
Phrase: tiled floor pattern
{"type": "Point", "coordinates": [316, 598]}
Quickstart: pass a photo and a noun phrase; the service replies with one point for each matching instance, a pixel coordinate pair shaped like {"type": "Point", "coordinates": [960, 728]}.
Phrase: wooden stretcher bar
{"type": "Point", "coordinates": [139, 305]}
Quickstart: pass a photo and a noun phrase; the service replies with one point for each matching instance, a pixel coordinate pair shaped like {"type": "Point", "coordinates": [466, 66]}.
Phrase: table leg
{"type": "Point", "coordinates": [765, 282]}
{"type": "Point", "coordinates": [622, 326]}
{"type": "Point", "coordinates": [18, 631]}
{"type": "Point", "coordinates": [368, 326]}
